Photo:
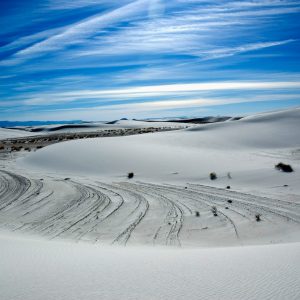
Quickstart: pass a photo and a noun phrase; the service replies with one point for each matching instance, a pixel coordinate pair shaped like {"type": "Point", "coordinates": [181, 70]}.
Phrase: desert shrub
{"type": "Point", "coordinates": [1, 147]}
{"type": "Point", "coordinates": [197, 214]}
{"type": "Point", "coordinates": [226, 207]}
{"type": "Point", "coordinates": [229, 201]}
{"type": "Point", "coordinates": [284, 168]}
{"type": "Point", "coordinates": [39, 147]}
{"type": "Point", "coordinates": [130, 175]}
{"type": "Point", "coordinates": [213, 176]}
{"type": "Point", "coordinates": [16, 148]}
{"type": "Point", "coordinates": [228, 187]}
{"type": "Point", "coordinates": [214, 210]}
{"type": "Point", "coordinates": [257, 217]}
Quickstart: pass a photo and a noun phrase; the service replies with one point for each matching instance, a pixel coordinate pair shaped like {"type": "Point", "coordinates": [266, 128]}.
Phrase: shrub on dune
{"type": "Point", "coordinates": [130, 175]}
{"type": "Point", "coordinates": [257, 217]}
{"type": "Point", "coordinates": [214, 210]}
{"type": "Point", "coordinates": [213, 176]}
{"type": "Point", "coordinates": [284, 167]}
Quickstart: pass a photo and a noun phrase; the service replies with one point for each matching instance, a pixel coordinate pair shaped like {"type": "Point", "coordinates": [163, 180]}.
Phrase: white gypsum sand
{"type": "Point", "coordinates": [79, 191]}
{"type": "Point", "coordinates": [248, 149]}
{"type": "Point", "coordinates": [51, 270]}
{"type": "Point", "coordinates": [6, 133]}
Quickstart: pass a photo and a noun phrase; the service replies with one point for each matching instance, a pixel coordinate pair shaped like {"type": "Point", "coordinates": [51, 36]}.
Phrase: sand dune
{"type": "Point", "coordinates": [49, 270]}
{"type": "Point", "coordinates": [127, 213]}
{"type": "Point", "coordinates": [248, 149]}
{"type": "Point", "coordinates": [13, 133]}
{"type": "Point", "coordinates": [180, 225]}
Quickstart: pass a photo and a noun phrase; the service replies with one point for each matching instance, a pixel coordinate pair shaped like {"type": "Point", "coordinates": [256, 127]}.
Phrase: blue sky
{"type": "Point", "coordinates": [102, 60]}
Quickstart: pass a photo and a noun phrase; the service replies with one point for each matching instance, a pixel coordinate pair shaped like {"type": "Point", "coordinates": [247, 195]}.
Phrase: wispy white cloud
{"type": "Point", "coordinates": [126, 94]}
{"type": "Point", "coordinates": [129, 51]}
{"type": "Point", "coordinates": [27, 41]}
{"type": "Point", "coordinates": [75, 33]}
{"type": "Point", "coordinates": [188, 103]}
{"type": "Point", "coordinates": [202, 32]}
{"type": "Point", "coordinates": [190, 87]}
{"type": "Point", "coordinates": [66, 4]}
{"type": "Point", "coordinates": [157, 108]}
{"type": "Point", "coordinates": [187, 31]}
{"type": "Point", "coordinates": [224, 52]}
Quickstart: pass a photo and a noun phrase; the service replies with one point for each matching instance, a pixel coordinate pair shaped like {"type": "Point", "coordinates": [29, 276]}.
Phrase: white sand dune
{"type": "Point", "coordinates": [248, 149]}
{"type": "Point", "coordinates": [123, 213]}
{"type": "Point", "coordinates": [6, 133]}
{"type": "Point", "coordinates": [79, 191]}
{"type": "Point", "coordinates": [49, 270]}
{"type": "Point", "coordinates": [85, 127]}
{"type": "Point", "coordinates": [98, 203]}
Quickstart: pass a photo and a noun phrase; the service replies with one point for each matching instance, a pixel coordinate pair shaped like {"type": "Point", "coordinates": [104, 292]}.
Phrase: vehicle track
{"type": "Point", "coordinates": [173, 220]}
{"type": "Point", "coordinates": [255, 204]}
{"type": "Point", "coordinates": [132, 212]}
{"type": "Point", "coordinates": [239, 195]}
{"type": "Point", "coordinates": [198, 198]}
{"type": "Point", "coordinates": [14, 186]}
{"type": "Point", "coordinates": [83, 213]}
{"type": "Point", "coordinates": [135, 216]}
{"type": "Point", "coordinates": [107, 211]}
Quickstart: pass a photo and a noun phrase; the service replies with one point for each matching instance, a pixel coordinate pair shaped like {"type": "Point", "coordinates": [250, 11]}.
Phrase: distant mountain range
{"type": "Point", "coordinates": [36, 123]}
{"type": "Point", "coordinates": [200, 120]}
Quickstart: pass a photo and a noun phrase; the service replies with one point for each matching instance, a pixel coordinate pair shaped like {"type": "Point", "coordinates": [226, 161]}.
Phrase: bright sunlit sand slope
{"type": "Point", "coordinates": [248, 149]}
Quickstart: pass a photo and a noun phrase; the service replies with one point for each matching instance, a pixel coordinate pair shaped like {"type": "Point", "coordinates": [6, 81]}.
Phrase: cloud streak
{"type": "Point", "coordinates": [89, 52]}
{"type": "Point", "coordinates": [159, 91]}
{"type": "Point", "coordinates": [76, 32]}
{"type": "Point", "coordinates": [225, 52]}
